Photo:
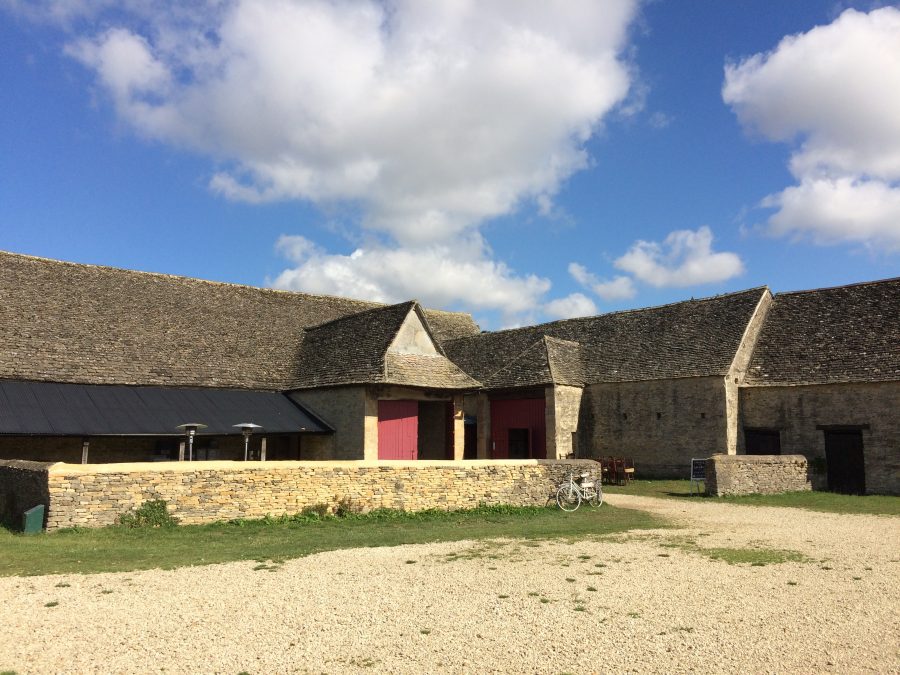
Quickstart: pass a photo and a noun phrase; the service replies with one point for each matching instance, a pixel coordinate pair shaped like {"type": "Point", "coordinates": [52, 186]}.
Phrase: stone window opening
{"type": "Point", "coordinates": [625, 416]}
{"type": "Point", "coordinates": [702, 416]}
{"type": "Point", "coordinates": [659, 415]}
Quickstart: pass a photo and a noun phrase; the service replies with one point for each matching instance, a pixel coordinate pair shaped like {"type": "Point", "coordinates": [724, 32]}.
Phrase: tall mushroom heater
{"type": "Point", "coordinates": [247, 429]}
{"type": "Point", "coordinates": [191, 428]}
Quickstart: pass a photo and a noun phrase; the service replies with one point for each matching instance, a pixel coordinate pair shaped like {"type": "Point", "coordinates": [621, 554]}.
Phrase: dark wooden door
{"type": "Point", "coordinates": [762, 442]}
{"type": "Point", "coordinates": [846, 467]}
{"type": "Point", "coordinates": [518, 444]}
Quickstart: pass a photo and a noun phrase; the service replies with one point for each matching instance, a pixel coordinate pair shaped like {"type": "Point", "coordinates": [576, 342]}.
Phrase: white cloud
{"type": "Point", "coordinates": [431, 116]}
{"type": "Point", "coordinates": [439, 275]}
{"type": "Point", "coordinates": [573, 305]}
{"type": "Point", "coordinates": [685, 258]}
{"type": "Point", "coordinates": [835, 91]}
{"type": "Point", "coordinates": [619, 288]}
{"type": "Point", "coordinates": [839, 210]}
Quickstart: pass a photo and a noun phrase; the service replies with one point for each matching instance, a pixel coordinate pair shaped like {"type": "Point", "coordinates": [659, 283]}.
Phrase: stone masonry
{"type": "Point", "coordinates": [756, 474]}
{"type": "Point", "coordinates": [202, 492]}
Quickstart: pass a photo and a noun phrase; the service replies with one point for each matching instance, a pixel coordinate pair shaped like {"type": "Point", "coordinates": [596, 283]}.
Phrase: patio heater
{"type": "Point", "coordinates": [191, 428]}
{"type": "Point", "coordinates": [247, 429]}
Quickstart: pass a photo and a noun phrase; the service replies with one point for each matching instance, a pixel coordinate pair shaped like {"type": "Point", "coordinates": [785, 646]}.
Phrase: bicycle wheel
{"type": "Point", "coordinates": [567, 498]}
{"type": "Point", "coordinates": [597, 497]}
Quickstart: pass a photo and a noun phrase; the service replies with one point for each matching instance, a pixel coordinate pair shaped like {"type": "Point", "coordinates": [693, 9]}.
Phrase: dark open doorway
{"type": "Point", "coordinates": [846, 466]}
{"type": "Point", "coordinates": [519, 447]}
{"type": "Point", "coordinates": [762, 442]}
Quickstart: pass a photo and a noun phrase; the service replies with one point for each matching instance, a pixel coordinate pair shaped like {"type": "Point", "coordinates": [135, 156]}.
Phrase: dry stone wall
{"type": "Point", "coordinates": [756, 474]}
{"type": "Point", "coordinates": [202, 492]}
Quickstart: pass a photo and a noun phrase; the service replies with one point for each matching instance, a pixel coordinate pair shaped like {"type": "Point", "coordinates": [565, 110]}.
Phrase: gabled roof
{"type": "Point", "coordinates": [843, 334]}
{"type": "Point", "coordinates": [68, 322]}
{"type": "Point", "coordinates": [354, 350]}
{"type": "Point", "coordinates": [548, 361]}
{"type": "Point", "coordinates": [694, 338]}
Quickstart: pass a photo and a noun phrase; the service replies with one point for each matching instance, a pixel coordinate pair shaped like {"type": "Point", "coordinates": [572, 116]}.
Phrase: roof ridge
{"type": "Point", "coordinates": [183, 278]}
{"type": "Point", "coordinates": [875, 282]}
{"type": "Point", "coordinates": [357, 314]}
{"type": "Point", "coordinates": [518, 356]}
{"type": "Point", "coordinates": [616, 313]}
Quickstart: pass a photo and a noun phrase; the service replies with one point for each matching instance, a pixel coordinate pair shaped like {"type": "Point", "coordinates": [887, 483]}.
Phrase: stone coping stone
{"type": "Point", "coordinates": [59, 468]}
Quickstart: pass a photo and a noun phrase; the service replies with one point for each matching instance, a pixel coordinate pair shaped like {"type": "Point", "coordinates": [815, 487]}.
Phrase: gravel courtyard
{"type": "Point", "coordinates": [649, 601]}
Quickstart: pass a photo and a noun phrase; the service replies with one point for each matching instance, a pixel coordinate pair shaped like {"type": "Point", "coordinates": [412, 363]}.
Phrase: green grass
{"type": "Point", "coordinates": [120, 549]}
{"type": "Point", "coordinates": [828, 502]}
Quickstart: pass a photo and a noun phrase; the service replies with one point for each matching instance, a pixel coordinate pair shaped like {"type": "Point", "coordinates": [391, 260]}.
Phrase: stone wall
{"type": "Point", "coordinates": [563, 406]}
{"type": "Point", "coordinates": [201, 492]}
{"type": "Point", "coordinates": [756, 474]}
{"type": "Point", "coordinates": [799, 413]}
{"type": "Point", "coordinates": [23, 485]}
{"type": "Point", "coordinates": [342, 408]}
{"type": "Point", "coordinates": [661, 424]}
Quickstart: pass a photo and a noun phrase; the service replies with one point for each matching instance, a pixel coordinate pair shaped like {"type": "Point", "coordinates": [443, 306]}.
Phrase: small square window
{"type": "Point", "coordinates": [659, 416]}
{"type": "Point", "coordinates": [624, 416]}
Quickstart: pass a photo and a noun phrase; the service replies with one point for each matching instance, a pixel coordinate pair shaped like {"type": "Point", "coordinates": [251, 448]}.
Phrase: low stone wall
{"type": "Point", "coordinates": [93, 495]}
{"type": "Point", "coordinates": [23, 485]}
{"type": "Point", "coordinates": [756, 474]}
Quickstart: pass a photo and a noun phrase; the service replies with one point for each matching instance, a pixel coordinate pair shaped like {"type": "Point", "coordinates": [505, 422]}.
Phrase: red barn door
{"type": "Point", "coordinates": [398, 429]}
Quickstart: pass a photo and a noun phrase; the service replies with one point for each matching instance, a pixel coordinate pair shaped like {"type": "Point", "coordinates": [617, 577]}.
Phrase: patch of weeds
{"type": "Point", "coordinates": [544, 601]}
{"type": "Point", "coordinates": [579, 608]}
{"type": "Point", "coordinates": [826, 568]}
{"type": "Point", "coordinates": [634, 615]}
{"type": "Point", "coordinates": [570, 580]}
{"type": "Point", "coordinates": [857, 578]}
{"type": "Point", "coordinates": [61, 584]}
{"type": "Point", "coordinates": [365, 662]}
{"type": "Point", "coordinates": [592, 589]}
{"type": "Point", "coordinates": [411, 562]}
{"type": "Point", "coordinates": [599, 564]}
{"type": "Point", "coordinates": [502, 597]}
{"type": "Point", "coordinates": [753, 556]}
{"type": "Point", "coordinates": [533, 594]}
{"type": "Point", "coordinates": [492, 568]}
{"type": "Point", "coordinates": [594, 574]}
{"type": "Point", "coordinates": [106, 591]}
{"type": "Point", "coordinates": [154, 513]}
{"type": "Point", "coordinates": [425, 631]}
{"type": "Point", "coordinates": [792, 583]}
{"type": "Point", "coordinates": [868, 569]}
{"type": "Point", "coordinates": [264, 566]}
{"type": "Point", "coordinates": [52, 603]}
{"type": "Point", "coordinates": [663, 555]}
{"type": "Point", "coordinates": [584, 557]}
{"type": "Point", "coordinates": [684, 629]}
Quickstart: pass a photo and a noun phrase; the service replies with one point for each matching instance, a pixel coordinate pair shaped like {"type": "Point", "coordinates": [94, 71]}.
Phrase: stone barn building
{"type": "Point", "coordinates": [101, 365]}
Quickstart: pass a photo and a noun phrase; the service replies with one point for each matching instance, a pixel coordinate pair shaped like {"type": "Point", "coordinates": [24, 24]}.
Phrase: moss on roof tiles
{"type": "Point", "coordinates": [830, 335]}
{"type": "Point", "coordinates": [694, 338]}
{"type": "Point", "coordinates": [69, 322]}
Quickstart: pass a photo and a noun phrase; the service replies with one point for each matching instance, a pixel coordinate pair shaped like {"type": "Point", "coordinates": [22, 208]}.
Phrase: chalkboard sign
{"type": "Point", "coordinates": [698, 469]}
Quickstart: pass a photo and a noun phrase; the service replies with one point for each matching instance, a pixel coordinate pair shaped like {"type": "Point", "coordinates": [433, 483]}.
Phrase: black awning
{"type": "Point", "coordinates": [53, 409]}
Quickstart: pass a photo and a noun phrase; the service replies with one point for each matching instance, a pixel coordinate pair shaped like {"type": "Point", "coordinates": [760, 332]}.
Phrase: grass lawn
{"type": "Point", "coordinates": [814, 501]}
{"type": "Point", "coordinates": [119, 549]}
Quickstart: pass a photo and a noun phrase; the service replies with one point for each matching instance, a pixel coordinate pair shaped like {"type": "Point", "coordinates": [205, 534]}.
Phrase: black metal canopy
{"type": "Point", "coordinates": [53, 409]}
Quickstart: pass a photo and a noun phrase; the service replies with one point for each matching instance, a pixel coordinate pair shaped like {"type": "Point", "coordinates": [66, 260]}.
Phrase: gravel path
{"type": "Point", "coordinates": [643, 602]}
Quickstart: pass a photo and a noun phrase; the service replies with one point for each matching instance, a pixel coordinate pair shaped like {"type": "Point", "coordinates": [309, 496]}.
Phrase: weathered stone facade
{"type": "Point", "coordinates": [756, 474]}
{"type": "Point", "coordinates": [801, 413]}
{"type": "Point", "coordinates": [95, 495]}
{"type": "Point", "coordinates": [661, 424]}
{"type": "Point", "coordinates": [563, 406]}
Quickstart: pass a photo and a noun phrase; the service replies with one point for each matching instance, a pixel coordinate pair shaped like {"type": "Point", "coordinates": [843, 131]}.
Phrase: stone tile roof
{"type": "Point", "coordinates": [683, 339]}
{"type": "Point", "coordinates": [68, 322]}
{"type": "Point", "coordinates": [548, 361]}
{"type": "Point", "coordinates": [843, 334]}
{"type": "Point", "coordinates": [354, 350]}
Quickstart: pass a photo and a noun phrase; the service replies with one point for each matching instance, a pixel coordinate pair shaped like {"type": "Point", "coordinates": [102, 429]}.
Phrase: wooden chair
{"type": "Point", "coordinates": [621, 478]}
{"type": "Point", "coordinates": [608, 470]}
{"type": "Point", "coordinates": [628, 469]}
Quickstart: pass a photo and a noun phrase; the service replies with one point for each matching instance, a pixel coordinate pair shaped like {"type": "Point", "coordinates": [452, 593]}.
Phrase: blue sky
{"type": "Point", "coordinates": [513, 160]}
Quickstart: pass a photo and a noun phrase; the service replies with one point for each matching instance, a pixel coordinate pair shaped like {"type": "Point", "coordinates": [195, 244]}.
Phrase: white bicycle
{"type": "Point", "coordinates": [571, 493]}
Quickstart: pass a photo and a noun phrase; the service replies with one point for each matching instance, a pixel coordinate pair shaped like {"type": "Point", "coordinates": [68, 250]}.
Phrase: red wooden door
{"type": "Point", "coordinates": [398, 429]}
